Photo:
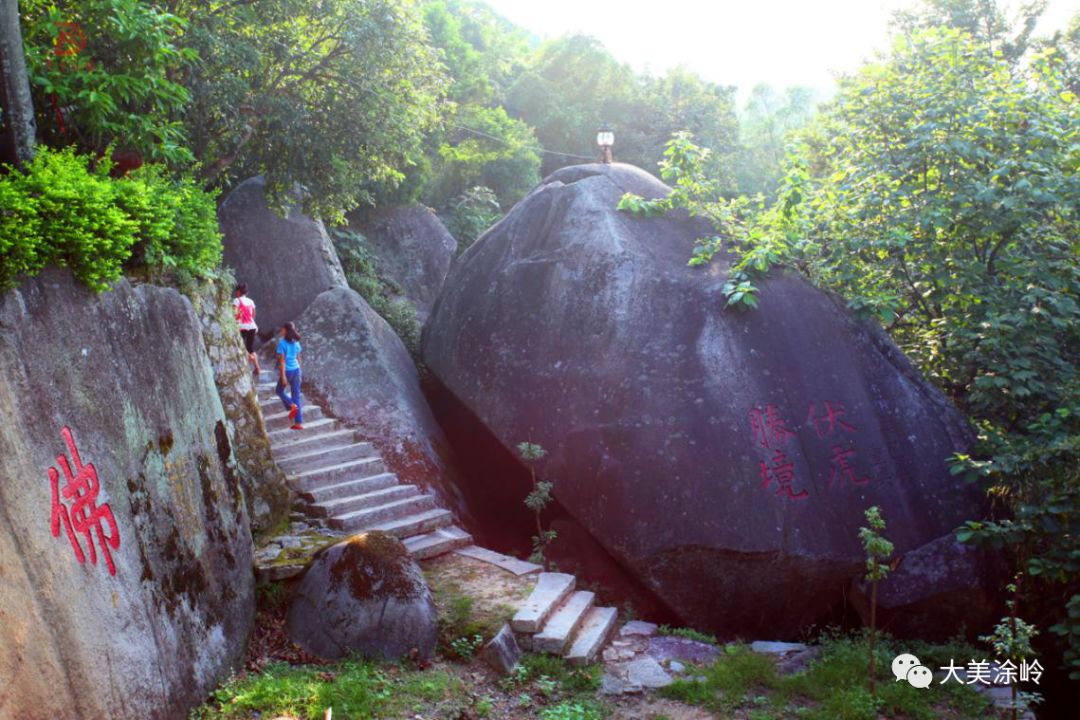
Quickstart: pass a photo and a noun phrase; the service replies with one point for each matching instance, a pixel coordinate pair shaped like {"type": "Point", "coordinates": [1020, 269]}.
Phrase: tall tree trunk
{"type": "Point", "coordinates": [17, 126]}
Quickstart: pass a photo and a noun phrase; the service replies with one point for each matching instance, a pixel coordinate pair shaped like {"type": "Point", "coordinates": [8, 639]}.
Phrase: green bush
{"type": "Point", "coordinates": [363, 276]}
{"type": "Point", "coordinates": [64, 209]}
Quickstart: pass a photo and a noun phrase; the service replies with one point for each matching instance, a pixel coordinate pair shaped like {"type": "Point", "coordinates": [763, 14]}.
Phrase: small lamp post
{"type": "Point", "coordinates": [605, 138]}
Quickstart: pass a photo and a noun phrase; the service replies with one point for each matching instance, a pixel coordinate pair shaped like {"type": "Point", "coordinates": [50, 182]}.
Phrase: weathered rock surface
{"type": "Point", "coordinates": [125, 376]}
{"type": "Point", "coordinates": [285, 261]}
{"type": "Point", "coordinates": [414, 249]}
{"type": "Point", "coordinates": [265, 489]}
{"type": "Point", "coordinates": [724, 457]}
{"type": "Point", "coordinates": [365, 595]}
{"type": "Point", "coordinates": [360, 368]}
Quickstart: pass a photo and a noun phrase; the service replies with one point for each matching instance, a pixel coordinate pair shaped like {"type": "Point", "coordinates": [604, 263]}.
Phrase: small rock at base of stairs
{"type": "Point", "coordinates": [647, 673]}
{"type": "Point", "coordinates": [611, 685]}
{"type": "Point", "coordinates": [502, 653]}
{"type": "Point", "coordinates": [506, 562]}
{"type": "Point", "coordinates": [638, 628]}
{"type": "Point", "coordinates": [664, 648]}
{"type": "Point", "coordinates": [550, 590]}
{"type": "Point", "coordinates": [797, 662]}
{"type": "Point", "coordinates": [776, 648]}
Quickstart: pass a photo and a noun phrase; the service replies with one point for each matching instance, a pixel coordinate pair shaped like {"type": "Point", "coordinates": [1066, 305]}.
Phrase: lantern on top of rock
{"type": "Point", "coordinates": [605, 138]}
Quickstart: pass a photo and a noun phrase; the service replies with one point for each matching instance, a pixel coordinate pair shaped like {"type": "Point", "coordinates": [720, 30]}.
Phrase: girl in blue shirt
{"type": "Point", "coordinates": [288, 356]}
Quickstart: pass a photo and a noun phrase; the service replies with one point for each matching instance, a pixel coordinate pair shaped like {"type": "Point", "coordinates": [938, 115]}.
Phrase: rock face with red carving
{"type": "Point", "coordinates": [413, 249]}
{"type": "Point", "coordinates": [366, 596]}
{"type": "Point", "coordinates": [285, 261]}
{"type": "Point", "coordinates": [725, 458]}
{"type": "Point", "coordinates": [125, 553]}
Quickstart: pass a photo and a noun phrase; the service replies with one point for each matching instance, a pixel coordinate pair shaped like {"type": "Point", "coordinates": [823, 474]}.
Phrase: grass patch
{"type": "Point", "coordinates": [835, 687]}
{"type": "Point", "coordinates": [355, 689]}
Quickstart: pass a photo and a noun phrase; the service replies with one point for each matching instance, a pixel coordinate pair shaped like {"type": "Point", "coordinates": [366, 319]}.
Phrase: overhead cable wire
{"type": "Point", "coordinates": [526, 147]}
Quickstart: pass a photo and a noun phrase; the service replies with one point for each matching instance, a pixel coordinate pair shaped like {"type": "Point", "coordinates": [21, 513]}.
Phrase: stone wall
{"type": "Point", "coordinates": [126, 581]}
{"type": "Point", "coordinates": [265, 489]}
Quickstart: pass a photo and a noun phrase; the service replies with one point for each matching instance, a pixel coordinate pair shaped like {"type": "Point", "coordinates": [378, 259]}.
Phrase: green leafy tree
{"type": "Point", "coordinates": [471, 214]}
{"type": "Point", "coordinates": [766, 126]}
{"type": "Point", "coordinates": [878, 551]}
{"type": "Point", "coordinates": [104, 73]}
{"type": "Point", "coordinates": [334, 96]}
{"type": "Point", "coordinates": [1011, 639]}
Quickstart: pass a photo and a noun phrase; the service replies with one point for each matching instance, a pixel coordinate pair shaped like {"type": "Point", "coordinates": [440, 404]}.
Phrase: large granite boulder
{"type": "Point", "coordinates": [285, 261]}
{"type": "Point", "coordinates": [725, 458]}
{"type": "Point", "coordinates": [127, 588]}
{"type": "Point", "coordinates": [366, 596]}
{"type": "Point", "coordinates": [363, 373]}
{"type": "Point", "coordinates": [413, 249]}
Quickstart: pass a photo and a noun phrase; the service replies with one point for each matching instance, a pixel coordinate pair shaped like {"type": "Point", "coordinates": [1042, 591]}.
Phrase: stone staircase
{"type": "Point", "coordinates": [560, 620]}
{"type": "Point", "coordinates": [343, 485]}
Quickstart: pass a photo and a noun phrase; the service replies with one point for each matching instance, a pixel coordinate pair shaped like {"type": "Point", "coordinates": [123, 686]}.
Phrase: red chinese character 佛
{"type": "Point", "coordinates": [84, 517]}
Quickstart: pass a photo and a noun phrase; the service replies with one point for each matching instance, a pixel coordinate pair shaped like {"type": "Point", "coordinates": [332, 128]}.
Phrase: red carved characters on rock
{"type": "Point", "coordinates": [830, 420]}
{"type": "Point", "coordinates": [782, 472]}
{"type": "Point", "coordinates": [84, 516]}
{"type": "Point", "coordinates": [770, 431]}
{"type": "Point", "coordinates": [842, 469]}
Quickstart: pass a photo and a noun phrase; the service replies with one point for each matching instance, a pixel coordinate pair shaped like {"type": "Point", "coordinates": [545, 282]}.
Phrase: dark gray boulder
{"type": "Point", "coordinates": [725, 458]}
{"type": "Point", "coordinates": [367, 596]}
{"type": "Point", "coordinates": [361, 370]}
{"type": "Point", "coordinates": [413, 249]}
{"type": "Point", "coordinates": [285, 261]}
{"type": "Point", "coordinates": [160, 608]}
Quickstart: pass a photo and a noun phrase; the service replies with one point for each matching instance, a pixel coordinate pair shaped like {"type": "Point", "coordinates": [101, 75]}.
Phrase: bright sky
{"type": "Point", "coordinates": [736, 42]}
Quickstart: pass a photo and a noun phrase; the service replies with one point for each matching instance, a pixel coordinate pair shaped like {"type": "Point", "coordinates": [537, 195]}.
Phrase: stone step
{"type": "Point", "coordinates": [337, 507]}
{"type": "Point", "coordinates": [594, 633]}
{"type": "Point", "coordinates": [322, 458]}
{"type": "Point", "coordinates": [437, 543]}
{"type": "Point", "coordinates": [304, 441]}
{"type": "Point", "coordinates": [318, 490]}
{"type": "Point", "coordinates": [563, 623]}
{"type": "Point", "coordinates": [364, 519]}
{"type": "Point", "coordinates": [283, 436]}
{"type": "Point", "coordinates": [418, 524]}
{"type": "Point", "coordinates": [550, 590]}
{"type": "Point", "coordinates": [280, 420]}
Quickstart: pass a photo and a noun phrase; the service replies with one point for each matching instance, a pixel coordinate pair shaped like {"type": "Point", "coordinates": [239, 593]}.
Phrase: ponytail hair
{"type": "Point", "coordinates": [290, 332]}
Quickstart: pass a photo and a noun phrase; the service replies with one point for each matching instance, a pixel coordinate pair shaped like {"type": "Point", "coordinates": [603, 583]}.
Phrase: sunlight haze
{"type": "Point", "coordinates": [774, 41]}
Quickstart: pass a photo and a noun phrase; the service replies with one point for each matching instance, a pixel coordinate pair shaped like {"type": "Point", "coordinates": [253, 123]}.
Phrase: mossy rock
{"type": "Point", "coordinates": [367, 596]}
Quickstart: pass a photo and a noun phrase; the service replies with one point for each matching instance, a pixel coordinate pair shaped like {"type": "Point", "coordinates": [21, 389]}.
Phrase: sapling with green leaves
{"type": "Point", "coordinates": [1011, 640]}
{"type": "Point", "coordinates": [538, 499]}
{"type": "Point", "coordinates": [878, 551]}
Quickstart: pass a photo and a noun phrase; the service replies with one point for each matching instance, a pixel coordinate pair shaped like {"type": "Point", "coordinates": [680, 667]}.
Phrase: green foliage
{"type": "Point", "coordinates": [354, 689]}
{"type": "Point", "coordinates": [465, 647]}
{"type": "Point", "coordinates": [471, 214]}
{"type": "Point", "coordinates": [334, 96]}
{"type": "Point", "coordinates": [537, 500]}
{"type": "Point", "coordinates": [362, 274]}
{"type": "Point", "coordinates": [834, 686]}
{"type": "Point", "coordinates": [767, 124]}
{"type": "Point", "coordinates": [689, 634]}
{"type": "Point", "coordinates": [878, 550]}
{"type": "Point", "coordinates": [572, 711]}
{"type": "Point", "coordinates": [63, 209]}
{"type": "Point", "coordinates": [119, 88]}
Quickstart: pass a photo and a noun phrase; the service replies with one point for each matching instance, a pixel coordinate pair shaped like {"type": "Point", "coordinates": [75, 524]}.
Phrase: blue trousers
{"type": "Point", "coordinates": [293, 376]}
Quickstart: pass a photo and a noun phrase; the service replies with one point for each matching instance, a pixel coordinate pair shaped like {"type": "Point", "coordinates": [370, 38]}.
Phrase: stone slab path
{"type": "Point", "coordinates": [343, 488]}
